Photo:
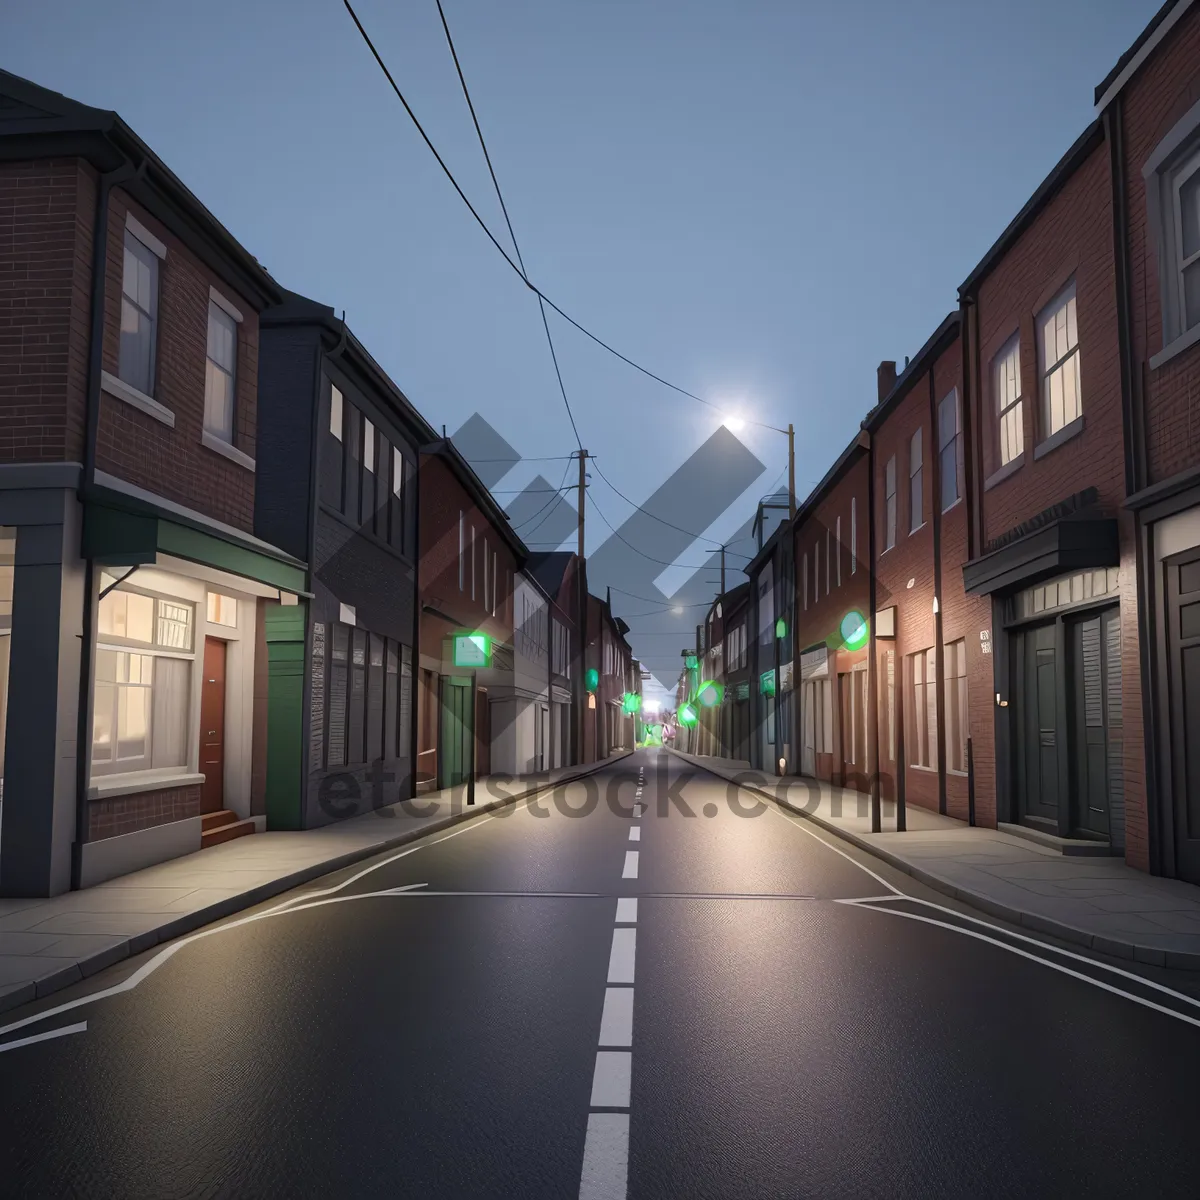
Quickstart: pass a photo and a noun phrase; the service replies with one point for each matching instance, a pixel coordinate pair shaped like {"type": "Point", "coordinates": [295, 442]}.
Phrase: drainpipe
{"type": "Point", "coordinates": [939, 650]}
{"type": "Point", "coordinates": [83, 738]}
{"type": "Point", "coordinates": [872, 645]}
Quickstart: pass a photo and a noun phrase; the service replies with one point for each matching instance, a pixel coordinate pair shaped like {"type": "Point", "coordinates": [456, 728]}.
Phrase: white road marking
{"type": "Point", "coordinates": [605, 1157]}
{"type": "Point", "coordinates": [616, 1022]}
{"type": "Point", "coordinates": [621, 957]}
{"type": "Point", "coordinates": [639, 810]}
{"type": "Point", "coordinates": [1045, 962]}
{"type": "Point", "coordinates": [799, 824]}
{"type": "Point", "coordinates": [151, 965]}
{"type": "Point", "coordinates": [635, 834]}
{"type": "Point", "coordinates": [1083, 958]}
{"type": "Point", "coordinates": [610, 1083]}
{"type": "Point", "coordinates": [631, 865]}
{"type": "Point", "coordinates": [53, 1033]}
{"type": "Point", "coordinates": [627, 910]}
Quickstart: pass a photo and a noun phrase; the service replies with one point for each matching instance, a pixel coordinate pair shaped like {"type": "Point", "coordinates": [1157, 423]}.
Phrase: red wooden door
{"type": "Point", "coordinates": [212, 727]}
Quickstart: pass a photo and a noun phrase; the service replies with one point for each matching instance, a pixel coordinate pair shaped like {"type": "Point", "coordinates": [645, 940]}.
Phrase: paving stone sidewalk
{"type": "Point", "coordinates": [1097, 902]}
{"type": "Point", "coordinates": [49, 944]}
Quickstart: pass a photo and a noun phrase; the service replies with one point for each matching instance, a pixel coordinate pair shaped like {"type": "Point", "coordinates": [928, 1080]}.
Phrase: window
{"type": "Point", "coordinates": [822, 726]}
{"type": "Point", "coordinates": [139, 315]}
{"type": "Point", "coordinates": [827, 564]}
{"type": "Point", "coordinates": [222, 610]}
{"type": "Point", "coordinates": [472, 562]}
{"type": "Point", "coordinates": [804, 580]}
{"type": "Point", "coordinates": [1177, 186]}
{"type": "Point", "coordinates": [1006, 383]}
{"type": "Point", "coordinates": [397, 473]}
{"type": "Point", "coordinates": [495, 565]}
{"type": "Point", "coordinates": [396, 504]}
{"type": "Point", "coordinates": [922, 729]}
{"type": "Point", "coordinates": [220, 372]}
{"type": "Point", "coordinates": [486, 604]}
{"type": "Point", "coordinates": [368, 454]}
{"type": "Point", "coordinates": [955, 706]}
{"type": "Point", "coordinates": [889, 504]}
{"type": "Point", "coordinates": [949, 448]}
{"type": "Point", "coordinates": [335, 412]}
{"type": "Point", "coordinates": [142, 689]}
{"type": "Point", "coordinates": [1058, 344]}
{"type": "Point", "coordinates": [889, 707]}
{"type": "Point", "coordinates": [916, 507]}
{"type": "Point", "coordinates": [838, 543]}
{"type": "Point", "coordinates": [853, 534]}
{"type": "Point", "coordinates": [816, 572]}
{"type": "Point", "coordinates": [461, 549]}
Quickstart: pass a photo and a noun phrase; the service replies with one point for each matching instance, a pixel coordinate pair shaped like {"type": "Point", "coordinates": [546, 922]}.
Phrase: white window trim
{"type": "Point", "coordinates": [220, 446]}
{"type": "Point", "coordinates": [144, 236]}
{"type": "Point", "coordinates": [121, 390]}
{"type": "Point", "coordinates": [227, 306]}
{"type": "Point", "coordinates": [130, 783]}
{"type": "Point", "coordinates": [853, 534]}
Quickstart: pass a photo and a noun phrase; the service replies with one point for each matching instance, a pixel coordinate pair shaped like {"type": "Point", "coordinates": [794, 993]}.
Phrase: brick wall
{"type": "Point", "coordinates": [46, 220]}
{"type": "Point", "coordinates": [911, 559]}
{"type": "Point", "coordinates": [1155, 99]}
{"type": "Point", "coordinates": [173, 462]}
{"type": "Point", "coordinates": [115, 815]}
{"type": "Point", "coordinates": [442, 498]}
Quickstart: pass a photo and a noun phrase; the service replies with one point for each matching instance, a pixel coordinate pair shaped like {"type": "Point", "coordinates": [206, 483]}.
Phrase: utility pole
{"type": "Point", "coordinates": [791, 472]}
{"type": "Point", "coordinates": [722, 570]}
{"type": "Point", "coordinates": [583, 455]}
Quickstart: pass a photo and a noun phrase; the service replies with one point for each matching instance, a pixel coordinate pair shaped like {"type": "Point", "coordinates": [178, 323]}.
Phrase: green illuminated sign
{"type": "Point", "coordinates": [710, 694]}
{"type": "Point", "coordinates": [472, 650]}
{"type": "Point", "coordinates": [591, 679]}
{"type": "Point", "coordinates": [781, 628]}
{"type": "Point", "coordinates": [690, 662]}
{"type": "Point", "coordinates": [854, 629]}
{"type": "Point", "coordinates": [686, 715]}
{"type": "Point", "coordinates": [631, 702]}
{"type": "Point", "coordinates": [766, 683]}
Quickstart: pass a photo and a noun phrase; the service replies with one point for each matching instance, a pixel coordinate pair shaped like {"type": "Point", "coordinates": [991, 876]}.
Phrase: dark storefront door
{"type": "Point", "coordinates": [1183, 672]}
{"type": "Point", "coordinates": [1039, 785]}
{"type": "Point", "coordinates": [212, 727]}
{"type": "Point", "coordinates": [454, 740]}
{"type": "Point", "coordinates": [483, 734]}
{"type": "Point", "coordinates": [1096, 669]}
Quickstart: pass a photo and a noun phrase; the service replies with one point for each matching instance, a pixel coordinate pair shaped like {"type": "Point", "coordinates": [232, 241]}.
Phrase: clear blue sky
{"type": "Point", "coordinates": [757, 200]}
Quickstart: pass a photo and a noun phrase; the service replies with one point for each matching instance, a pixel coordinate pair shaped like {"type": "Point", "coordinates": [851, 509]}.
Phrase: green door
{"type": "Point", "coordinates": [454, 737]}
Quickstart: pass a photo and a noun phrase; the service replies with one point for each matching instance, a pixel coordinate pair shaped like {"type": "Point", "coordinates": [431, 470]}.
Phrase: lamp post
{"type": "Point", "coordinates": [735, 423]}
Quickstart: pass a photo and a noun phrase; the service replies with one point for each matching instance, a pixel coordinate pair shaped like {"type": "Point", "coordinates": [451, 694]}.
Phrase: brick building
{"type": "Point", "coordinates": [609, 677]}
{"type": "Point", "coordinates": [137, 592]}
{"type": "Point", "coordinates": [1149, 106]}
{"type": "Point", "coordinates": [469, 560]}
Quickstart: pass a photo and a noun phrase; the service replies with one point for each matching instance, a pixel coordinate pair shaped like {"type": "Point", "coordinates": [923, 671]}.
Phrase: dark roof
{"type": "Point", "coordinates": [769, 546]}
{"type": "Point", "coordinates": [941, 337]}
{"type": "Point", "coordinates": [735, 597]}
{"type": "Point", "coordinates": [297, 310]}
{"type": "Point", "coordinates": [36, 122]}
{"type": "Point", "coordinates": [1131, 53]}
{"type": "Point", "coordinates": [549, 568]}
{"type": "Point", "coordinates": [1066, 166]}
{"type": "Point", "coordinates": [445, 449]}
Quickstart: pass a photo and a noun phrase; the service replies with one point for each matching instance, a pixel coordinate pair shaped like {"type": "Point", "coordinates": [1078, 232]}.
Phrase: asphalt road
{"type": "Point", "coordinates": [512, 1026]}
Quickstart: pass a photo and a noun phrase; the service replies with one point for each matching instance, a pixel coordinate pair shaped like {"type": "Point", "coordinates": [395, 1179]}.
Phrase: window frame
{"type": "Point", "coordinates": [153, 260]}
{"type": "Point", "coordinates": [222, 314]}
{"type": "Point", "coordinates": [1015, 407]}
{"type": "Point", "coordinates": [916, 478]}
{"type": "Point", "coordinates": [889, 505]}
{"type": "Point", "coordinates": [955, 441]}
{"type": "Point", "coordinates": [1064, 301]}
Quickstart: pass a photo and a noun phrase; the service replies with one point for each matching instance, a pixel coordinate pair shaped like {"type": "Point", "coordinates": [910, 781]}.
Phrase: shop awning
{"type": "Point", "coordinates": [1057, 548]}
{"type": "Point", "coordinates": [117, 537]}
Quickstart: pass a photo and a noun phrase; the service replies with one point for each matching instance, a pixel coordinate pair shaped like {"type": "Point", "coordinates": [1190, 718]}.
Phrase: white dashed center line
{"type": "Point", "coordinates": [620, 959]}
{"type": "Point", "coordinates": [616, 1025]}
{"type": "Point", "coordinates": [631, 865]}
{"type": "Point", "coordinates": [627, 910]}
{"type": "Point", "coordinates": [635, 834]}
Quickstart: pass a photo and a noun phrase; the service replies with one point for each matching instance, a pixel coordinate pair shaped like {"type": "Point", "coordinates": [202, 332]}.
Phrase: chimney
{"type": "Point", "coordinates": [887, 378]}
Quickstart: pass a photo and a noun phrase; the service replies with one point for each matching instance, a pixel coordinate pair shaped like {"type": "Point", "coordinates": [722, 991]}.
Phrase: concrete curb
{"type": "Point", "coordinates": [1181, 960]}
{"type": "Point", "coordinates": [75, 970]}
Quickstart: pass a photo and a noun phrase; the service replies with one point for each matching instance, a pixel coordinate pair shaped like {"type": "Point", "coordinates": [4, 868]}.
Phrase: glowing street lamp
{"type": "Point", "coordinates": [854, 630]}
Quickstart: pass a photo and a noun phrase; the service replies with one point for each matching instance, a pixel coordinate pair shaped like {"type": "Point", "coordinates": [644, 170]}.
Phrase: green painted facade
{"type": "Point", "coordinates": [286, 664]}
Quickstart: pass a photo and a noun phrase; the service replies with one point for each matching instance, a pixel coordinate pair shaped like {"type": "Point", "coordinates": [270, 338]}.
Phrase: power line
{"type": "Point", "coordinates": [698, 536]}
{"type": "Point", "coordinates": [519, 270]}
{"type": "Point", "coordinates": [462, 79]}
{"type": "Point", "coordinates": [659, 600]}
{"type": "Point", "coordinates": [632, 547]}
{"type": "Point", "coordinates": [557, 496]}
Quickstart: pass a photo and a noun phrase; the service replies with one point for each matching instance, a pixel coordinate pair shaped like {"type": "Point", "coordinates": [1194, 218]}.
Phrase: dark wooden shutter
{"type": "Point", "coordinates": [404, 745]}
{"type": "Point", "coordinates": [337, 694]}
{"type": "Point", "coordinates": [316, 736]}
{"type": "Point", "coordinates": [355, 744]}
{"type": "Point", "coordinates": [1116, 731]}
{"type": "Point", "coordinates": [375, 700]}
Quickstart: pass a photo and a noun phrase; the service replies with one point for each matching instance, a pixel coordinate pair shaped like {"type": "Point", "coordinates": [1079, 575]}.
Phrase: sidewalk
{"type": "Point", "coordinates": [46, 945]}
{"type": "Point", "coordinates": [1097, 902]}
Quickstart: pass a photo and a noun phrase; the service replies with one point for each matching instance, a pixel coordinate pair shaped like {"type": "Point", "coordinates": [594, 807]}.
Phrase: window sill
{"type": "Point", "coordinates": [140, 781]}
{"type": "Point", "coordinates": [952, 507]}
{"type": "Point", "coordinates": [1065, 434]}
{"type": "Point", "coordinates": [916, 529]}
{"type": "Point", "coordinates": [927, 770]}
{"type": "Point", "coordinates": [957, 774]}
{"type": "Point", "coordinates": [220, 446]}
{"type": "Point", "coordinates": [121, 390]}
{"type": "Point", "coordinates": [1009, 468]}
{"type": "Point", "coordinates": [1178, 346]}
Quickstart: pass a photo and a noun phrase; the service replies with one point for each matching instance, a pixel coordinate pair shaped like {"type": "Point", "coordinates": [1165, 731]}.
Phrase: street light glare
{"type": "Point", "coordinates": [734, 424]}
{"type": "Point", "coordinates": [678, 610]}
